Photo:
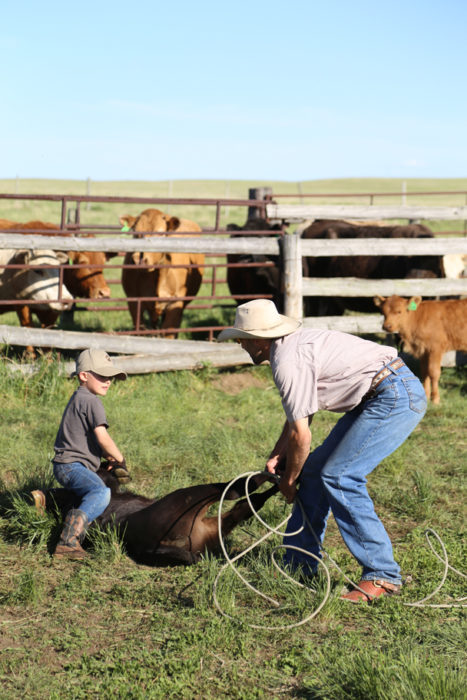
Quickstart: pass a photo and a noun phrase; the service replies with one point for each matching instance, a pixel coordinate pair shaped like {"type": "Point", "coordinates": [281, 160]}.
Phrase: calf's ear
{"type": "Point", "coordinates": [378, 301]}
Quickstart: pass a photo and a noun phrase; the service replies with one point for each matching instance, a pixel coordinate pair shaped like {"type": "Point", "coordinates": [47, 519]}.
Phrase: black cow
{"type": "Point", "coordinates": [259, 280]}
{"type": "Point", "coordinates": [364, 267]}
{"type": "Point", "coordinates": [172, 530]}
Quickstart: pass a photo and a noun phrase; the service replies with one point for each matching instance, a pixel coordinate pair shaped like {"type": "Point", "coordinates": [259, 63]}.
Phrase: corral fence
{"type": "Point", "coordinates": [217, 243]}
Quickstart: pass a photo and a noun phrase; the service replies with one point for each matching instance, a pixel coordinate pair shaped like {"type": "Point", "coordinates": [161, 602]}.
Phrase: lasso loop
{"type": "Point", "coordinates": [230, 561]}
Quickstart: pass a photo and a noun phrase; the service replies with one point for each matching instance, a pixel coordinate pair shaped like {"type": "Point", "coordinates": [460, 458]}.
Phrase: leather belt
{"type": "Point", "coordinates": [382, 374]}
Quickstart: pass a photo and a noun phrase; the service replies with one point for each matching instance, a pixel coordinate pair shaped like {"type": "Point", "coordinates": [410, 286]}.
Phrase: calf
{"type": "Point", "coordinates": [427, 329]}
{"type": "Point", "coordinates": [174, 529]}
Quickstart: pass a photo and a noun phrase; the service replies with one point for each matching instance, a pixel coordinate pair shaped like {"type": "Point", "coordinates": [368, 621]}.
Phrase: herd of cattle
{"type": "Point", "coordinates": [158, 286]}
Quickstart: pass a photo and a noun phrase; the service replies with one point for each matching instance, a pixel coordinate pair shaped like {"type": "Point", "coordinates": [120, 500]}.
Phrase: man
{"type": "Point", "coordinates": [382, 402]}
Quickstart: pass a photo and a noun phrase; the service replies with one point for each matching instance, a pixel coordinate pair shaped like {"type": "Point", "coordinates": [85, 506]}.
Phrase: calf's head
{"type": "Point", "coordinates": [397, 311]}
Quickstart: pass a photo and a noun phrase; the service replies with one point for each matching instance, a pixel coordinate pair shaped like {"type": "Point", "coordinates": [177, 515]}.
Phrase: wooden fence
{"type": "Point", "coordinates": [295, 286]}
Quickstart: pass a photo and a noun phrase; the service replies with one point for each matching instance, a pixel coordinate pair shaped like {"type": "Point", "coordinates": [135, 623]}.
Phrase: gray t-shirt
{"type": "Point", "coordinates": [76, 440]}
{"type": "Point", "coordinates": [319, 369]}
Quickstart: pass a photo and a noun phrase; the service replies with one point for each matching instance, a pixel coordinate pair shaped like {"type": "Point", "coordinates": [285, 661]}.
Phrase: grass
{"type": "Point", "coordinates": [109, 628]}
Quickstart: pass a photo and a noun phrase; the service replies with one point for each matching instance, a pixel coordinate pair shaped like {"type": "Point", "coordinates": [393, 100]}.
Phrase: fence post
{"type": "Point", "coordinates": [293, 295]}
{"type": "Point", "coordinates": [259, 193]}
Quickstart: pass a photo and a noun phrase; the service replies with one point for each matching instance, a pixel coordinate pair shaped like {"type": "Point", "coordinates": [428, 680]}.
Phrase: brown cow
{"type": "Point", "coordinates": [83, 282]}
{"type": "Point", "coordinates": [428, 329]}
{"type": "Point", "coordinates": [163, 282]}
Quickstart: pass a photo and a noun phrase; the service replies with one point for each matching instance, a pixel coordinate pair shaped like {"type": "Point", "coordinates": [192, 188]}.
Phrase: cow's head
{"type": "Point", "coordinates": [40, 282]}
{"type": "Point", "coordinates": [397, 311]}
{"type": "Point", "coordinates": [149, 222]}
{"type": "Point", "coordinates": [87, 282]}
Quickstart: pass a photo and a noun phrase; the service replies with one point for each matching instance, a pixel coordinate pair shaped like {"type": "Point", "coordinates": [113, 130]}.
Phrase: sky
{"type": "Point", "coordinates": [246, 90]}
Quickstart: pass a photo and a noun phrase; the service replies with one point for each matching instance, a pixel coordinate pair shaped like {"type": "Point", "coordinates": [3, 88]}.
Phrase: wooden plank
{"type": "Point", "coordinates": [257, 245]}
{"type": "Point", "coordinates": [354, 287]}
{"type": "Point", "coordinates": [301, 212]}
{"type": "Point", "coordinates": [383, 246]}
{"type": "Point", "coordinates": [368, 323]}
{"type": "Point", "coordinates": [221, 246]}
{"type": "Point", "coordinates": [73, 340]}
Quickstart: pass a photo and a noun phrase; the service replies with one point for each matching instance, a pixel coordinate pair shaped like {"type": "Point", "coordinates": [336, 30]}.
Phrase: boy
{"type": "Point", "coordinates": [82, 440]}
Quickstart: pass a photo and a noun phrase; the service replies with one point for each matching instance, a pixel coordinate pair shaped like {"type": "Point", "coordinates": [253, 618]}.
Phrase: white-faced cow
{"type": "Point", "coordinates": [172, 530]}
{"type": "Point", "coordinates": [427, 329]}
{"type": "Point", "coordinates": [170, 276]}
{"type": "Point", "coordinates": [82, 282]}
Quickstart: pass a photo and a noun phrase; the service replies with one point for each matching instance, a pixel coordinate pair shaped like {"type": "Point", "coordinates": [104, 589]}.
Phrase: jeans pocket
{"type": "Point", "coordinates": [416, 394]}
{"type": "Point", "coordinates": [62, 472]}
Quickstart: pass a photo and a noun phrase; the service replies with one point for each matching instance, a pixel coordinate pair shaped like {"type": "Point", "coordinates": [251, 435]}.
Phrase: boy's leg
{"type": "Point", "coordinates": [94, 495]}
{"type": "Point", "coordinates": [94, 498]}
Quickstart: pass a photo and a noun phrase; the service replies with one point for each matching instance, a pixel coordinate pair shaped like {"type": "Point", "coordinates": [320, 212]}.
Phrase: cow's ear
{"type": "Point", "coordinates": [108, 256]}
{"type": "Point", "coordinates": [127, 220]}
{"type": "Point", "coordinates": [378, 301]}
{"type": "Point", "coordinates": [415, 300]}
{"type": "Point", "coordinates": [173, 223]}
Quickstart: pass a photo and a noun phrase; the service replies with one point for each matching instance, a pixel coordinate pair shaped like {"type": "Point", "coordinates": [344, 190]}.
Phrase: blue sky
{"type": "Point", "coordinates": [251, 90]}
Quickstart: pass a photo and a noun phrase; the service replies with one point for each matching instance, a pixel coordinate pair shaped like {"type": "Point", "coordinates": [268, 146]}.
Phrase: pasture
{"type": "Point", "coordinates": [109, 628]}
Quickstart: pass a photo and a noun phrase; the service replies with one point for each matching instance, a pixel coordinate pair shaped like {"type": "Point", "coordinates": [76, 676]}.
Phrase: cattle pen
{"type": "Point", "coordinates": [157, 354]}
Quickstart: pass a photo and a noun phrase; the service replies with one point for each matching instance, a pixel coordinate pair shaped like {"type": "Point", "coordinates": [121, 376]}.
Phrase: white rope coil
{"type": "Point", "coordinates": [230, 562]}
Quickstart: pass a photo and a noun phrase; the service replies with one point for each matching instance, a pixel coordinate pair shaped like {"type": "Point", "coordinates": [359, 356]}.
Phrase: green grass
{"type": "Point", "coordinates": [109, 628]}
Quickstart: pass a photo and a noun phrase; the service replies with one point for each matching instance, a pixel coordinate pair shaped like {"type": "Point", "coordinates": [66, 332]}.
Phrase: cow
{"type": "Point", "coordinates": [172, 530]}
{"type": "Point", "coordinates": [180, 276]}
{"type": "Point", "coordinates": [364, 267]}
{"type": "Point", "coordinates": [37, 282]}
{"type": "Point", "coordinates": [427, 329]}
{"type": "Point", "coordinates": [83, 282]}
{"type": "Point", "coordinates": [265, 278]}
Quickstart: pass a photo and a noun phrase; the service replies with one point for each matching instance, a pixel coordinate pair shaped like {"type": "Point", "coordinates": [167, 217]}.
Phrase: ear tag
{"type": "Point", "coordinates": [125, 228]}
{"type": "Point", "coordinates": [412, 306]}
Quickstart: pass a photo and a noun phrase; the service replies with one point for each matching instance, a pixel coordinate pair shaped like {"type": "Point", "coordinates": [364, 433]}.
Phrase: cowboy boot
{"type": "Point", "coordinates": [75, 526]}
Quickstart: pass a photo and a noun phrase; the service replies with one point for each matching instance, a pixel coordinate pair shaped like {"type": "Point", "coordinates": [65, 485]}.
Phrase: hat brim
{"type": "Point", "coordinates": [286, 327]}
{"type": "Point", "coordinates": [104, 372]}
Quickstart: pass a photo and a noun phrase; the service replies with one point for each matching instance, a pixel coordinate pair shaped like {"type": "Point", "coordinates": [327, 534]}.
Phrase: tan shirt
{"type": "Point", "coordinates": [319, 369]}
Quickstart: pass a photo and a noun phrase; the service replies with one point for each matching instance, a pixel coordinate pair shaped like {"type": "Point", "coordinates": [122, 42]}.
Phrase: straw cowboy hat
{"type": "Point", "coordinates": [259, 319]}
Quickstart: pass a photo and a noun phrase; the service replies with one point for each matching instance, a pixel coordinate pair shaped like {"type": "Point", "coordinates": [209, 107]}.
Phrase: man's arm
{"type": "Point", "coordinates": [279, 450]}
{"type": "Point", "coordinates": [298, 449]}
{"type": "Point", "coordinates": [108, 446]}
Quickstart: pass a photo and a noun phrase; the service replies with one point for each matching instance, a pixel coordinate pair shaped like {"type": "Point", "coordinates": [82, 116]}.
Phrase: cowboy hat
{"type": "Point", "coordinates": [259, 318]}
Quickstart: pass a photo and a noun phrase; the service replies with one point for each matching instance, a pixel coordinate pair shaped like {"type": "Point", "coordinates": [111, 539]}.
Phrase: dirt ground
{"type": "Point", "coordinates": [235, 382]}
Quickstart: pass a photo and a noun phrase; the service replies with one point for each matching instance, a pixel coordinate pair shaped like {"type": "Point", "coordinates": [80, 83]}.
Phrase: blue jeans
{"type": "Point", "coordinates": [94, 494]}
{"type": "Point", "coordinates": [334, 477]}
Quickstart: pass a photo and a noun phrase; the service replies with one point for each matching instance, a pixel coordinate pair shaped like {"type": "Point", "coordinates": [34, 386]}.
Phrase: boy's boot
{"type": "Point", "coordinates": [76, 523]}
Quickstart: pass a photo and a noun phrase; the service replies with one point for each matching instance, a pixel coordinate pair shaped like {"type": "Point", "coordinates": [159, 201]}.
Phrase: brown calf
{"type": "Point", "coordinates": [428, 329]}
{"type": "Point", "coordinates": [174, 529]}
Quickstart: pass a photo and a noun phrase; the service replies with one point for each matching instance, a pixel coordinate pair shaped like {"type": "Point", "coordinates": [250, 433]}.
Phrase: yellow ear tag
{"type": "Point", "coordinates": [412, 306]}
{"type": "Point", "coordinates": [126, 228]}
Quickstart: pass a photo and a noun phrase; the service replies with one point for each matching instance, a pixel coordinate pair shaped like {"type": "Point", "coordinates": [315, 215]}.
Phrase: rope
{"type": "Point", "coordinates": [230, 561]}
